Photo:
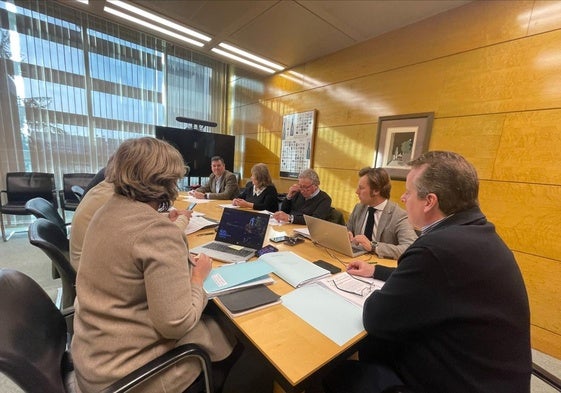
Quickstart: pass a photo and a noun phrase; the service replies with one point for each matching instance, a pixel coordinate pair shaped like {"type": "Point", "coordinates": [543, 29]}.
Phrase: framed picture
{"type": "Point", "coordinates": [297, 143]}
{"type": "Point", "coordinates": [402, 138]}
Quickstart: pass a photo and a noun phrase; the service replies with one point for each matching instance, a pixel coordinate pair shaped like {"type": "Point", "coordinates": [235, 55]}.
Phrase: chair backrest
{"type": "Point", "coordinates": [32, 335]}
{"type": "Point", "coordinates": [74, 179]}
{"type": "Point", "coordinates": [336, 216]}
{"type": "Point", "coordinates": [23, 186]}
{"type": "Point", "coordinates": [41, 208]}
{"type": "Point", "coordinates": [49, 238]}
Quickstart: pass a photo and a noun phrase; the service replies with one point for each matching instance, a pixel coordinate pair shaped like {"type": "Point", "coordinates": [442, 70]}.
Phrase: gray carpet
{"type": "Point", "coordinates": [18, 254]}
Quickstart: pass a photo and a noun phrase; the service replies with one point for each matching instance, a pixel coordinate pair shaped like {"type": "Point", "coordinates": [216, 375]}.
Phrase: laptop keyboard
{"type": "Point", "coordinates": [228, 249]}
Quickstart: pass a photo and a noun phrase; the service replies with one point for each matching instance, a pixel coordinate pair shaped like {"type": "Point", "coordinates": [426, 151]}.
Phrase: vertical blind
{"type": "Point", "coordinates": [74, 86]}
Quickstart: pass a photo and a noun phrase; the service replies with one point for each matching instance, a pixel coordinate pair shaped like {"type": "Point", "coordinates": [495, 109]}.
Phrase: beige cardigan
{"type": "Point", "coordinates": [135, 300]}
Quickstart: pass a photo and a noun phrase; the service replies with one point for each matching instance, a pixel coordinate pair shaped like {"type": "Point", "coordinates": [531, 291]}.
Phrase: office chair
{"type": "Point", "coordinates": [69, 199]}
{"type": "Point", "coordinates": [336, 216]}
{"type": "Point", "coordinates": [48, 236]}
{"type": "Point", "coordinates": [41, 208]}
{"type": "Point", "coordinates": [20, 188]}
{"type": "Point", "coordinates": [34, 349]}
{"type": "Point", "coordinates": [78, 192]}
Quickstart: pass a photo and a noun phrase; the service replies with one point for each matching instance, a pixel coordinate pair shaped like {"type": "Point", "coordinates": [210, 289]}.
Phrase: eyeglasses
{"type": "Point", "coordinates": [303, 187]}
{"type": "Point", "coordinates": [358, 287]}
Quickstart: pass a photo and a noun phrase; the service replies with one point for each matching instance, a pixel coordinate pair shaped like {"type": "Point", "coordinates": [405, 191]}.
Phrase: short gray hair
{"type": "Point", "coordinates": [309, 174]}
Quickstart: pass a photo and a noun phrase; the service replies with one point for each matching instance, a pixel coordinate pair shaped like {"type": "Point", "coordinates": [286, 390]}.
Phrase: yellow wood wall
{"type": "Point", "coordinates": [491, 73]}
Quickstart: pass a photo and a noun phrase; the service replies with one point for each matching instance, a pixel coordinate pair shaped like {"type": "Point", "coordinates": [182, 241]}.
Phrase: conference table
{"type": "Point", "coordinates": [298, 352]}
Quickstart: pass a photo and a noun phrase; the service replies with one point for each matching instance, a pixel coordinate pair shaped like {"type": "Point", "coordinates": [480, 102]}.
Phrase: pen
{"type": "Point", "coordinates": [206, 233]}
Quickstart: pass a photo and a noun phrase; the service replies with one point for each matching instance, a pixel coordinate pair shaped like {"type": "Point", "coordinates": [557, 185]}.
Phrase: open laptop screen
{"type": "Point", "coordinates": [242, 228]}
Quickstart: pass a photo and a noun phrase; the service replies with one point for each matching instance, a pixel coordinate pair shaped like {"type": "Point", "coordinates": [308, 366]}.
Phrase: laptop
{"type": "Point", "coordinates": [333, 236]}
{"type": "Point", "coordinates": [239, 235]}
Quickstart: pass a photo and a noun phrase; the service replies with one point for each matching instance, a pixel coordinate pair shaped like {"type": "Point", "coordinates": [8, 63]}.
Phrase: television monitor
{"type": "Point", "coordinates": [197, 148]}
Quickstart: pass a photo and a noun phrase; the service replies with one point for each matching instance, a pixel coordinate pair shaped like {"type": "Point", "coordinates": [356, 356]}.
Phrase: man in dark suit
{"type": "Point", "coordinates": [454, 315]}
{"type": "Point", "coordinates": [379, 225]}
{"type": "Point", "coordinates": [222, 184]}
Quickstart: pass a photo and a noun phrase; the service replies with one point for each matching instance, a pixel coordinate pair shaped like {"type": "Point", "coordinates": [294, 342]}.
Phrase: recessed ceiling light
{"type": "Point", "coordinates": [152, 26]}
{"type": "Point", "coordinates": [241, 59]}
{"type": "Point", "coordinates": [251, 56]}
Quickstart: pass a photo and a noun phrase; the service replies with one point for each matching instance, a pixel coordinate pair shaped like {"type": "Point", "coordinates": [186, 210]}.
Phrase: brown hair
{"type": "Point", "coordinates": [261, 174]}
{"type": "Point", "coordinates": [147, 170]}
{"type": "Point", "coordinates": [451, 177]}
{"type": "Point", "coordinates": [378, 180]}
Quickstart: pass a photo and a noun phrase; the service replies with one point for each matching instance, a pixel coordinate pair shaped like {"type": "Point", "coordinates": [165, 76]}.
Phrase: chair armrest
{"type": "Point", "coordinates": [546, 376]}
{"type": "Point", "coordinates": [3, 192]}
{"type": "Point", "coordinates": [161, 363]}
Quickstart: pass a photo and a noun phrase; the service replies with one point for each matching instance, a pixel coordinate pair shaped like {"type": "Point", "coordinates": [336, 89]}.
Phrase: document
{"type": "Point", "coordinates": [198, 222]}
{"type": "Point", "coordinates": [229, 278]}
{"type": "Point", "coordinates": [326, 311]}
{"type": "Point", "coordinates": [354, 289]}
{"type": "Point", "coordinates": [293, 269]}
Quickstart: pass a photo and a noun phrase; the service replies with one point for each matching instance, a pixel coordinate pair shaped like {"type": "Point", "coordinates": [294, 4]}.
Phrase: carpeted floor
{"type": "Point", "coordinates": [18, 254]}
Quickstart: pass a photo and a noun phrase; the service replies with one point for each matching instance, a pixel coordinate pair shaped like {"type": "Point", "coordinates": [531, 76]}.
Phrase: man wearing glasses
{"type": "Point", "coordinates": [304, 197]}
{"type": "Point", "coordinates": [454, 315]}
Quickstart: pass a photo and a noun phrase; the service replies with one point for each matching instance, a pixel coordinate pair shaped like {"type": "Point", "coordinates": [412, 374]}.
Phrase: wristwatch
{"type": "Point", "coordinates": [373, 244]}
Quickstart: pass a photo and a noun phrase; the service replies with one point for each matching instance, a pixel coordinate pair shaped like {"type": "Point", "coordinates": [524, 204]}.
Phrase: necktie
{"type": "Point", "coordinates": [218, 185]}
{"type": "Point", "coordinates": [369, 227]}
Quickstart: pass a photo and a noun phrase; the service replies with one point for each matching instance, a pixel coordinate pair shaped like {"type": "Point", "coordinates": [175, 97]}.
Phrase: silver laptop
{"type": "Point", "coordinates": [239, 235]}
{"type": "Point", "coordinates": [333, 236]}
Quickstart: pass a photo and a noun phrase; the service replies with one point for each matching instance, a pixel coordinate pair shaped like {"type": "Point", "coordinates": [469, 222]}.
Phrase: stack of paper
{"type": "Point", "coordinates": [294, 269]}
{"type": "Point", "coordinates": [230, 278]}
{"type": "Point", "coordinates": [199, 222]}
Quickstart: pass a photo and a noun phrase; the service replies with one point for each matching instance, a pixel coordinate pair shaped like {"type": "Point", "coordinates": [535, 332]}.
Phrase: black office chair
{"type": "Point", "coordinates": [49, 238]}
{"type": "Point", "coordinates": [69, 200]}
{"type": "Point", "coordinates": [41, 208]}
{"type": "Point", "coordinates": [78, 192]}
{"type": "Point", "coordinates": [336, 216]}
{"type": "Point", "coordinates": [33, 343]}
{"type": "Point", "coordinates": [20, 188]}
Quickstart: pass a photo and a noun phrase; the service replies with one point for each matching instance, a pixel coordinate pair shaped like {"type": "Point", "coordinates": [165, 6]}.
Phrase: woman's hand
{"type": "Point", "coordinates": [202, 265]}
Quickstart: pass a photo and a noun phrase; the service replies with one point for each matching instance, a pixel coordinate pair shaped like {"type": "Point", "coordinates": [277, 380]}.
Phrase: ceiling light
{"type": "Point", "coordinates": [160, 20]}
{"type": "Point", "coordinates": [152, 26]}
{"type": "Point", "coordinates": [241, 59]}
{"type": "Point", "coordinates": [251, 56]}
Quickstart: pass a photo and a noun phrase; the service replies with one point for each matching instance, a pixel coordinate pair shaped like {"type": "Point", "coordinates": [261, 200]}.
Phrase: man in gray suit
{"type": "Point", "coordinates": [376, 223]}
{"type": "Point", "coordinates": [222, 184]}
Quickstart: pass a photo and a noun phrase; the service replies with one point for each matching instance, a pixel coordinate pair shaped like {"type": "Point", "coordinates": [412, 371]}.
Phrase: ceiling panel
{"type": "Point", "coordinates": [290, 32]}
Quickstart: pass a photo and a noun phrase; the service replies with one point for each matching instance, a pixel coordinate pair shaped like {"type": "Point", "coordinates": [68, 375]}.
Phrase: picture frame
{"type": "Point", "coordinates": [400, 139]}
{"type": "Point", "coordinates": [297, 143]}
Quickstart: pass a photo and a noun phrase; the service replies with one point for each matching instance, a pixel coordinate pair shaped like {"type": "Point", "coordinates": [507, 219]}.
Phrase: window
{"type": "Point", "coordinates": [74, 86]}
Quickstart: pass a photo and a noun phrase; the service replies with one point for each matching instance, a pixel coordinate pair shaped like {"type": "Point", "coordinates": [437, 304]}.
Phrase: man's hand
{"type": "Point", "coordinates": [360, 268]}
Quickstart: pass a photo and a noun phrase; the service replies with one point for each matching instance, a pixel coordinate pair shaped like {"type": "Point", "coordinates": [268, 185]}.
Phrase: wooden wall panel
{"type": "Point", "coordinates": [530, 146]}
{"type": "Point", "coordinates": [543, 276]}
{"type": "Point", "coordinates": [477, 138]}
{"type": "Point", "coordinates": [527, 216]}
{"type": "Point", "coordinates": [491, 72]}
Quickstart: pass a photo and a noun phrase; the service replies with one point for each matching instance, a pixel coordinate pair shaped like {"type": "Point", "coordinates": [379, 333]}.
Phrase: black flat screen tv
{"type": "Point", "coordinates": [197, 148]}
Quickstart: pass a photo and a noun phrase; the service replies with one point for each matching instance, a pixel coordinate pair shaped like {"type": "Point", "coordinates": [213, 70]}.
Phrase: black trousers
{"type": "Point", "coordinates": [354, 376]}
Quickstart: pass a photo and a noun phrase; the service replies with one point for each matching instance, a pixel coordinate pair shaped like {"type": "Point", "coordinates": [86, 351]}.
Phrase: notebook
{"type": "Point", "coordinates": [249, 299]}
{"type": "Point", "coordinates": [239, 235]}
{"type": "Point", "coordinates": [333, 236]}
{"type": "Point", "coordinates": [294, 269]}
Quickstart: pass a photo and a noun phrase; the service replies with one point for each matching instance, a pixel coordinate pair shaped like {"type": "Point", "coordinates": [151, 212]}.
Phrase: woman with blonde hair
{"type": "Point", "coordinates": [138, 293]}
{"type": "Point", "coordinates": [260, 193]}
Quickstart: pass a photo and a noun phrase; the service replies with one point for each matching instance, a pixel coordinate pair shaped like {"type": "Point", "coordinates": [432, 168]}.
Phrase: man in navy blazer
{"type": "Point", "coordinates": [390, 231]}
{"type": "Point", "coordinates": [454, 315]}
